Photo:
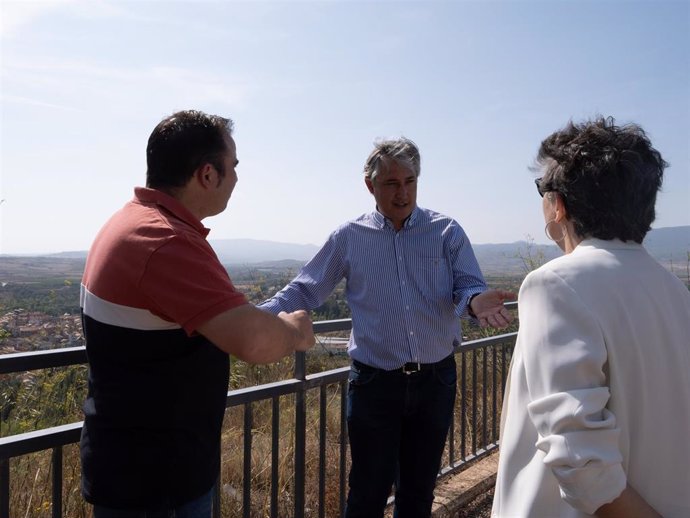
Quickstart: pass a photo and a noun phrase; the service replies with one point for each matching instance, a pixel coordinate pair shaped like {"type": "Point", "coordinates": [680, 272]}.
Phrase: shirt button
{"type": "Point", "coordinates": [407, 308]}
{"type": "Point", "coordinates": [411, 332]}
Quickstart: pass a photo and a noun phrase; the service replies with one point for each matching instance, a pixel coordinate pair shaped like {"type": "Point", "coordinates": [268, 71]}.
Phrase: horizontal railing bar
{"type": "Point", "coordinates": [327, 377]}
{"type": "Point", "coordinates": [269, 390]}
{"type": "Point", "coordinates": [508, 338]}
{"type": "Point", "coordinates": [64, 357]}
{"type": "Point", "coordinates": [454, 468]}
{"type": "Point", "coordinates": [327, 326]}
{"type": "Point", "coordinates": [34, 360]}
{"type": "Point", "coordinates": [281, 388]}
{"type": "Point", "coordinates": [38, 440]}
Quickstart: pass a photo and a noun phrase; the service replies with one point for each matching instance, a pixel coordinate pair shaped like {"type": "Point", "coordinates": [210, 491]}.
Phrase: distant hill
{"type": "Point", "coordinates": [665, 244]}
{"type": "Point", "coordinates": [250, 251]}
{"type": "Point", "coordinates": [670, 244]}
{"type": "Point", "coordinates": [496, 259]}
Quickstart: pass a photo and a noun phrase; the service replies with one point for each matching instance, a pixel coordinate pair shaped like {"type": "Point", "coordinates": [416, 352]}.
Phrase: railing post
{"type": "Point", "coordinates": [474, 402]}
{"type": "Point", "coordinates": [275, 458]}
{"type": "Point", "coordinates": [247, 461]}
{"type": "Point", "coordinates": [323, 410]}
{"type": "Point", "coordinates": [343, 445]}
{"type": "Point", "coordinates": [4, 488]}
{"type": "Point", "coordinates": [300, 433]}
{"type": "Point", "coordinates": [463, 407]}
{"type": "Point", "coordinates": [485, 393]}
{"type": "Point", "coordinates": [494, 394]}
{"type": "Point", "coordinates": [57, 482]}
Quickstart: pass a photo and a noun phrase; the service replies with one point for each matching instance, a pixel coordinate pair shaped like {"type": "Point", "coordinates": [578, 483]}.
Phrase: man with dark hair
{"type": "Point", "coordinates": [160, 317]}
{"type": "Point", "coordinates": [411, 274]}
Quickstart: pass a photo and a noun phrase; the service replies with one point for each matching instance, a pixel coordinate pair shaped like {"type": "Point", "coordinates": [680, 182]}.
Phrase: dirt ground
{"type": "Point", "coordinates": [480, 507]}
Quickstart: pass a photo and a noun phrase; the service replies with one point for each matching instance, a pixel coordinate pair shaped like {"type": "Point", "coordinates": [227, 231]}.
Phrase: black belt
{"type": "Point", "coordinates": [410, 367]}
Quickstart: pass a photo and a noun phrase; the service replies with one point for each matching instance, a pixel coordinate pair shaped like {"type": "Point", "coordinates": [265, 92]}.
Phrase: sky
{"type": "Point", "coordinates": [310, 86]}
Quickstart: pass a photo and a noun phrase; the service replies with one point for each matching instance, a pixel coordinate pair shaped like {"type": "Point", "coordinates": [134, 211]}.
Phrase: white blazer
{"type": "Point", "coordinates": [599, 388]}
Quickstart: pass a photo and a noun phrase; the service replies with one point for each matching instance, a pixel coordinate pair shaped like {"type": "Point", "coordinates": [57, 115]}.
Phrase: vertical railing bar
{"type": "Point", "coordinates": [322, 451]}
{"type": "Point", "coordinates": [275, 458]}
{"type": "Point", "coordinates": [485, 396]}
{"type": "Point", "coordinates": [451, 431]}
{"type": "Point", "coordinates": [343, 445]}
{"type": "Point", "coordinates": [300, 365]}
{"type": "Point", "coordinates": [504, 370]}
{"type": "Point", "coordinates": [4, 488]}
{"type": "Point", "coordinates": [463, 408]}
{"type": "Point", "coordinates": [494, 395]}
{"type": "Point", "coordinates": [451, 440]}
{"type": "Point", "coordinates": [247, 468]}
{"type": "Point", "coordinates": [57, 481]}
{"type": "Point", "coordinates": [300, 434]}
{"type": "Point", "coordinates": [474, 402]}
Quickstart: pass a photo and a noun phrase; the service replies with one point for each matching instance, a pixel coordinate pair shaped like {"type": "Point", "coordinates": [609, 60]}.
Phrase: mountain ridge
{"type": "Point", "coordinates": [667, 245]}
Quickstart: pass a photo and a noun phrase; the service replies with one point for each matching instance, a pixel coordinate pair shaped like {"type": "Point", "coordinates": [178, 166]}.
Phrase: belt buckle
{"type": "Point", "coordinates": [411, 368]}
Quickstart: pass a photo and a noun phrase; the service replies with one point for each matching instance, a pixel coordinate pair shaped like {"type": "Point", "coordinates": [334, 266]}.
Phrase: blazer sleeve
{"type": "Point", "coordinates": [565, 358]}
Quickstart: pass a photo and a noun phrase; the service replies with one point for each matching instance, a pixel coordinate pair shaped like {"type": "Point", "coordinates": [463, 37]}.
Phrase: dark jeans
{"type": "Point", "coordinates": [397, 425]}
{"type": "Point", "coordinates": [198, 508]}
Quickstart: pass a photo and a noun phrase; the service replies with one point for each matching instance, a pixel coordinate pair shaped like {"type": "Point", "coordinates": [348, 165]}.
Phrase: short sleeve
{"type": "Point", "coordinates": [187, 284]}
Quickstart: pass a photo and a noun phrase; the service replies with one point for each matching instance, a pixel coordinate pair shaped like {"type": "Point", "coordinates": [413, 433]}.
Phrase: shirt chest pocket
{"type": "Point", "coordinates": [432, 275]}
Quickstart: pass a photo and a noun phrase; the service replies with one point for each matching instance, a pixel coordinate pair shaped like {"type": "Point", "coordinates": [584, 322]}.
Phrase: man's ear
{"type": "Point", "coordinates": [206, 175]}
{"type": "Point", "coordinates": [370, 184]}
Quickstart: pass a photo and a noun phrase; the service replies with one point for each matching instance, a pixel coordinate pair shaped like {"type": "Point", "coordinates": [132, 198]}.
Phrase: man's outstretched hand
{"type": "Point", "coordinates": [488, 308]}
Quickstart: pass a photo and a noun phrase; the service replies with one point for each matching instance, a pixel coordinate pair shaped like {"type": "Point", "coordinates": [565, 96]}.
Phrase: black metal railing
{"type": "Point", "coordinates": [483, 366]}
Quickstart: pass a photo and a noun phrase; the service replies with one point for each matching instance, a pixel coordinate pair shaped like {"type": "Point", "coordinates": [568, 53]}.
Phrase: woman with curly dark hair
{"type": "Point", "coordinates": [597, 406]}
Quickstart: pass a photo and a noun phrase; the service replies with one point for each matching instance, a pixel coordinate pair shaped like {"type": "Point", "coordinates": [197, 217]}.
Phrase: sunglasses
{"type": "Point", "coordinates": [537, 182]}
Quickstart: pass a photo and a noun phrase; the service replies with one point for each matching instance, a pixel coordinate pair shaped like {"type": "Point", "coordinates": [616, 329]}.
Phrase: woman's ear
{"type": "Point", "coordinates": [561, 212]}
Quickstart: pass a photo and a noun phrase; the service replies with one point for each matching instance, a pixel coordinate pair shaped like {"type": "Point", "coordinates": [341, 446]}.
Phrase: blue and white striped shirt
{"type": "Point", "coordinates": [406, 290]}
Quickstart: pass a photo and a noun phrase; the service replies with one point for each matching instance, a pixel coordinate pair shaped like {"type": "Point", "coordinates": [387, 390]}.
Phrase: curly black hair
{"type": "Point", "coordinates": [608, 177]}
{"type": "Point", "coordinates": [181, 143]}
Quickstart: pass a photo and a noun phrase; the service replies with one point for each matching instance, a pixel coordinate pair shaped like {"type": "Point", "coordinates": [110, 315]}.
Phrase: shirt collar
{"type": "Point", "coordinates": [145, 195]}
{"type": "Point", "coordinates": [608, 244]}
{"type": "Point", "coordinates": [381, 221]}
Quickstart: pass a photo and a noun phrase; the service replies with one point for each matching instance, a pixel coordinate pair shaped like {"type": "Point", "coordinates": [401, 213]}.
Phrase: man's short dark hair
{"type": "Point", "coordinates": [183, 142]}
{"type": "Point", "coordinates": [608, 176]}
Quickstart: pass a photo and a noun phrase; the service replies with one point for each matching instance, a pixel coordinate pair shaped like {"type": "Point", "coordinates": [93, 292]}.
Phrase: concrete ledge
{"type": "Point", "coordinates": [455, 492]}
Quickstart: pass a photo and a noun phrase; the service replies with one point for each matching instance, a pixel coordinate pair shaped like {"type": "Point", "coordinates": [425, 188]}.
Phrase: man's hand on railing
{"type": "Point", "coordinates": [489, 310]}
{"type": "Point", "coordinates": [299, 320]}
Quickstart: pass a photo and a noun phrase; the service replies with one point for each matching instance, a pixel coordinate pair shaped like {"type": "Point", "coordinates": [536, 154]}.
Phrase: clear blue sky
{"type": "Point", "coordinates": [310, 85]}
